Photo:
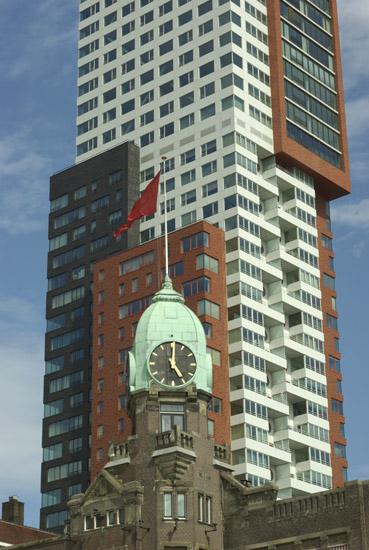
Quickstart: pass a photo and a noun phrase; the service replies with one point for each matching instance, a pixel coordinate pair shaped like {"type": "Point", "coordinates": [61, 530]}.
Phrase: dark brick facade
{"type": "Point", "coordinates": [112, 176]}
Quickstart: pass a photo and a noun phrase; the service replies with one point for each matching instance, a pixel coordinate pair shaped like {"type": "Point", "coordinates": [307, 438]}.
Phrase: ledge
{"type": "Point", "coordinates": [174, 449]}
{"type": "Point", "coordinates": [125, 460]}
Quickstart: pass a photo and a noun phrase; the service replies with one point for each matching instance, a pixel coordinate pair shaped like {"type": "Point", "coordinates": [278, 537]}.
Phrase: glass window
{"type": "Point", "coordinates": [207, 111]}
{"type": "Point", "coordinates": [171, 414]}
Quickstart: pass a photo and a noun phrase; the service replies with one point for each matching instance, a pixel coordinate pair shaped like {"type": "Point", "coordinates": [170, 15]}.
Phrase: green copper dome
{"type": "Point", "coordinates": [168, 319]}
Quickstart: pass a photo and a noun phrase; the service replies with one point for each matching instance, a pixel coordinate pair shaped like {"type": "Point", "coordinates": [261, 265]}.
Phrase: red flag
{"type": "Point", "coordinates": [144, 206]}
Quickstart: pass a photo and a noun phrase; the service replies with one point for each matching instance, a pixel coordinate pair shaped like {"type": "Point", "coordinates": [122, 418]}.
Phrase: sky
{"type": "Point", "coordinates": [38, 41]}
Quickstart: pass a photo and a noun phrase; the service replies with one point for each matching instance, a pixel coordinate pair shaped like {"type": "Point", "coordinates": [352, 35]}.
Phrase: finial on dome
{"type": "Point", "coordinates": [167, 293]}
{"type": "Point", "coordinates": [167, 283]}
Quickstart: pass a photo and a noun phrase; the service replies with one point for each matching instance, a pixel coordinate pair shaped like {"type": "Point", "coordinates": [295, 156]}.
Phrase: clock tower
{"type": "Point", "coordinates": [165, 483]}
{"type": "Point", "coordinates": [170, 347]}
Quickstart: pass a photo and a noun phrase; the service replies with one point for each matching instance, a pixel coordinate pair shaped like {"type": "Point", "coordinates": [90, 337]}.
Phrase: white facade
{"type": "Point", "coordinates": [206, 107]}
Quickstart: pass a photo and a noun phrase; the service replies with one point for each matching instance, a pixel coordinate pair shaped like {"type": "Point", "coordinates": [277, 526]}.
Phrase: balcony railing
{"type": "Point", "coordinates": [173, 438]}
{"type": "Point", "coordinates": [221, 453]}
{"type": "Point", "coordinates": [117, 451]}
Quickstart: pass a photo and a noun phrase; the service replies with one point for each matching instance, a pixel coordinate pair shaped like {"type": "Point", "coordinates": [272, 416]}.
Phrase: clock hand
{"type": "Point", "coordinates": [172, 360]}
{"type": "Point", "coordinates": [173, 346]}
{"type": "Point", "coordinates": [174, 367]}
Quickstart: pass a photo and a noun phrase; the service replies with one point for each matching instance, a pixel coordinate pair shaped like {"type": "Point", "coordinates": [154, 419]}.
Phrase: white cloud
{"type": "Point", "coordinates": [21, 352]}
{"type": "Point", "coordinates": [52, 26]}
{"type": "Point", "coordinates": [354, 215]}
{"type": "Point", "coordinates": [23, 184]}
{"type": "Point", "coordinates": [354, 24]}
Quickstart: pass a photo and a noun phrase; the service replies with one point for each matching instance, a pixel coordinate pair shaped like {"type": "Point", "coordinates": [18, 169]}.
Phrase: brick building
{"type": "Point", "coordinates": [123, 286]}
{"type": "Point", "coordinates": [170, 485]}
{"type": "Point", "coordinates": [12, 528]}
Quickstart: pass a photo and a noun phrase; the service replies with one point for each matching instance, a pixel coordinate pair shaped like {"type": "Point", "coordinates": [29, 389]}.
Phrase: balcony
{"type": "Point", "coordinates": [173, 453]}
{"type": "Point", "coordinates": [118, 453]}
{"type": "Point", "coordinates": [173, 438]}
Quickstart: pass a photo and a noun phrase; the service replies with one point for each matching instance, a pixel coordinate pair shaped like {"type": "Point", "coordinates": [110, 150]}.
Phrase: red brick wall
{"type": "Point", "coordinates": [336, 181]}
{"type": "Point", "coordinates": [107, 278]}
{"type": "Point", "coordinates": [333, 376]}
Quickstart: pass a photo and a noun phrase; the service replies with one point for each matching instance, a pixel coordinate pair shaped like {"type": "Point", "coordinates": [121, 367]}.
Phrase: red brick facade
{"type": "Point", "coordinates": [113, 337]}
{"type": "Point", "coordinates": [326, 256]}
{"type": "Point", "coordinates": [336, 182]}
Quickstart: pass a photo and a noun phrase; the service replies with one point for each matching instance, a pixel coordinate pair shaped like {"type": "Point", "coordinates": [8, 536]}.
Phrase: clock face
{"type": "Point", "coordinates": [172, 364]}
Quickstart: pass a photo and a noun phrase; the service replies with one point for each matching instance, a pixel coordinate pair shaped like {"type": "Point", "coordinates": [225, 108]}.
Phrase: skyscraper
{"type": "Point", "coordinates": [245, 100]}
{"type": "Point", "coordinates": [87, 201]}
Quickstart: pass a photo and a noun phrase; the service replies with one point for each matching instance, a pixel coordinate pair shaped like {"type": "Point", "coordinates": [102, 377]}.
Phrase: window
{"type": "Point", "coordinates": [233, 101]}
{"type": "Point", "coordinates": [211, 309]}
{"type": "Point", "coordinates": [203, 261]}
{"type": "Point", "coordinates": [185, 58]}
{"type": "Point", "coordinates": [165, 27]}
{"type": "Point", "coordinates": [206, 27]}
{"type": "Point", "coordinates": [146, 139]}
{"type": "Point", "coordinates": [195, 241]}
{"type": "Point", "coordinates": [186, 121]}
{"type": "Point", "coordinates": [215, 405]}
{"type": "Point", "coordinates": [186, 99]}
{"type": "Point", "coordinates": [188, 156]}
{"type": "Point", "coordinates": [64, 470]}
{"type": "Point", "coordinates": [170, 205]}
{"type": "Point", "coordinates": [171, 414]}
{"type": "Point", "coordinates": [166, 67]}
{"type": "Point", "coordinates": [185, 37]}
{"type": "Point", "coordinates": [334, 364]}
{"type": "Point", "coordinates": [66, 339]}
{"type": "Point", "coordinates": [210, 209]}
{"type": "Point", "coordinates": [128, 27]}
{"type": "Point", "coordinates": [57, 519]}
{"type": "Point", "coordinates": [110, 37]}
{"type": "Point", "coordinates": [147, 17]}
{"type": "Point", "coordinates": [189, 197]}
{"type": "Point", "coordinates": [337, 406]}
{"type": "Point", "coordinates": [128, 66]}
{"type": "Point", "coordinates": [188, 218]}
{"type": "Point", "coordinates": [51, 498]}
{"type": "Point", "coordinates": [204, 49]}
{"type": "Point", "coordinates": [328, 281]}
{"type": "Point", "coordinates": [166, 88]}
{"type": "Point", "coordinates": [207, 111]}
{"type": "Point", "coordinates": [52, 452]}
{"type": "Point", "coordinates": [174, 505]}
{"type": "Point", "coordinates": [147, 117]}
{"type": "Point", "coordinates": [53, 408]}
{"type": "Point", "coordinates": [166, 47]}
{"type": "Point", "coordinates": [60, 202]}
{"type": "Point", "coordinates": [109, 95]}
{"type": "Point", "coordinates": [188, 177]}
{"type": "Point", "coordinates": [128, 8]}
{"type": "Point", "coordinates": [184, 18]}
{"type": "Point", "coordinates": [128, 127]}
{"type": "Point", "coordinates": [147, 37]}
{"type": "Point", "coordinates": [210, 189]}
{"type": "Point", "coordinates": [204, 503]}
{"type": "Point", "coordinates": [167, 130]}
{"type": "Point", "coordinates": [191, 288]}
{"type": "Point", "coordinates": [147, 56]}
{"type": "Point", "coordinates": [185, 79]}
{"type": "Point", "coordinates": [110, 56]}
{"type": "Point", "coordinates": [166, 108]}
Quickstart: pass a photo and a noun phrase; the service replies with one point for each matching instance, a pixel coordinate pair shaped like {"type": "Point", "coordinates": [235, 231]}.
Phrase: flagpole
{"type": "Point", "coordinates": [165, 222]}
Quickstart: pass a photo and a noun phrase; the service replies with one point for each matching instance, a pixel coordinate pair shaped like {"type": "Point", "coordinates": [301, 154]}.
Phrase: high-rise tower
{"type": "Point", "coordinates": [245, 100]}
{"type": "Point", "coordinates": [87, 201]}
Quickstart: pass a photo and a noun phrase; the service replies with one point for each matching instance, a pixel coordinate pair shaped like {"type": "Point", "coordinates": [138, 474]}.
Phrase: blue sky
{"type": "Point", "coordinates": [37, 91]}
